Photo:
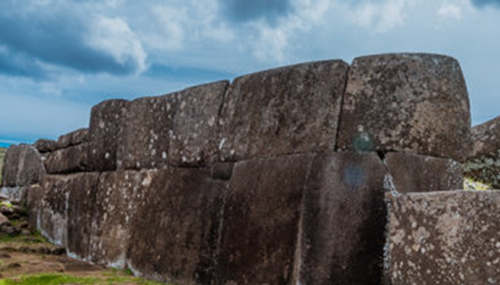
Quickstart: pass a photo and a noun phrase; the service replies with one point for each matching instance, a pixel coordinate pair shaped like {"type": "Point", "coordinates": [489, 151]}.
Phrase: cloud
{"type": "Point", "coordinates": [241, 11]}
{"type": "Point", "coordinates": [66, 34]}
{"type": "Point", "coordinates": [380, 16]}
{"type": "Point", "coordinates": [450, 11]}
{"type": "Point", "coordinates": [482, 3]}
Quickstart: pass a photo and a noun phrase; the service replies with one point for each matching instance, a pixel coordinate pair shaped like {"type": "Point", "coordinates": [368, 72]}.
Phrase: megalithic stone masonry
{"type": "Point", "coordinates": [285, 176]}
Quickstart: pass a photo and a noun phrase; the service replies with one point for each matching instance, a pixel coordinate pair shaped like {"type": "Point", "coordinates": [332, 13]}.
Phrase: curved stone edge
{"type": "Point", "coordinates": [412, 103]}
{"type": "Point", "coordinates": [22, 166]}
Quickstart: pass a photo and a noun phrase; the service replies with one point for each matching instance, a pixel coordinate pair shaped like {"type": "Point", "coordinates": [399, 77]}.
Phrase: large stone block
{"type": "Point", "coordinates": [81, 199]}
{"type": "Point", "coordinates": [418, 173]}
{"type": "Point", "coordinates": [483, 165]}
{"type": "Point", "coordinates": [195, 138]}
{"type": "Point", "coordinates": [73, 138]}
{"type": "Point", "coordinates": [45, 145]}
{"type": "Point", "coordinates": [103, 135]}
{"type": "Point", "coordinates": [343, 223]}
{"type": "Point", "coordinates": [293, 109]}
{"type": "Point", "coordinates": [445, 238]}
{"type": "Point", "coordinates": [174, 231]}
{"type": "Point", "coordinates": [53, 218]}
{"type": "Point", "coordinates": [259, 237]}
{"type": "Point", "coordinates": [415, 103]}
{"type": "Point", "coordinates": [68, 160]}
{"type": "Point", "coordinates": [116, 201]}
{"type": "Point", "coordinates": [34, 196]}
{"type": "Point", "coordinates": [22, 166]}
{"type": "Point", "coordinates": [145, 132]}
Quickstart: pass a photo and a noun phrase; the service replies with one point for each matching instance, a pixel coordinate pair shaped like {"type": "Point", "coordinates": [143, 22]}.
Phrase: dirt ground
{"type": "Point", "coordinates": [24, 256]}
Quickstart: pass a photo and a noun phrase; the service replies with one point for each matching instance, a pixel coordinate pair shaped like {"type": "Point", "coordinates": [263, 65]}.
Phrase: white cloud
{"type": "Point", "coordinates": [272, 43]}
{"type": "Point", "coordinates": [114, 37]}
{"type": "Point", "coordinates": [380, 17]}
{"type": "Point", "coordinates": [450, 11]}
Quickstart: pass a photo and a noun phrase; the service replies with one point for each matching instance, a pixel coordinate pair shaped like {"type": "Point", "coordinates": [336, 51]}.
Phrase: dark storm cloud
{"type": "Point", "coordinates": [19, 65]}
{"type": "Point", "coordinates": [245, 10]}
{"type": "Point", "coordinates": [482, 3]}
{"type": "Point", "coordinates": [51, 35]}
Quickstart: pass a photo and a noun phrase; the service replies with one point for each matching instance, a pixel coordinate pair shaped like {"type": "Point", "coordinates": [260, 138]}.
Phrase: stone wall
{"type": "Point", "coordinates": [278, 177]}
{"type": "Point", "coordinates": [483, 165]}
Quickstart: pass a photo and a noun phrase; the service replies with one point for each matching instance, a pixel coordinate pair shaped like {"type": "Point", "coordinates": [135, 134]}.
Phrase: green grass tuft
{"type": "Point", "coordinates": [35, 238]}
{"type": "Point", "coordinates": [50, 279]}
{"type": "Point", "coordinates": [60, 279]}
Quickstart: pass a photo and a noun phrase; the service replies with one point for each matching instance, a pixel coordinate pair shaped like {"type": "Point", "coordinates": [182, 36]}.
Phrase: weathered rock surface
{"type": "Point", "coordinates": [34, 196]}
{"type": "Point", "coordinates": [177, 129]}
{"type": "Point", "coordinates": [53, 219]}
{"type": "Point", "coordinates": [45, 145]}
{"type": "Point", "coordinates": [22, 166]}
{"type": "Point", "coordinates": [145, 131]}
{"type": "Point", "coordinates": [3, 220]}
{"type": "Point", "coordinates": [261, 221]}
{"type": "Point", "coordinates": [415, 103]}
{"type": "Point", "coordinates": [14, 194]}
{"type": "Point", "coordinates": [116, 201]}
{"type": "Point", "coordinates": [293, 109]}
{"type": "Point", "coordinates": [174, 232]}
{"type": "Point", "coordinates": [103, 135]}
{"type": "Point", "coordinates": [417, 173]}
{"type": "Point", "coordinates": [483, 165]}
{"type": "Point", "coordinates": [343, 221]}
{"type": "Point", "coordinates": [73, 138]}
{"type": "Point", "coordinates": [445, 238]}
{"type": "Point", "coordinates": [69, 160]}
{"type": "Point", "coordinates": [81, 202]}
{"type": "Point", "coordinates": [194, 141]}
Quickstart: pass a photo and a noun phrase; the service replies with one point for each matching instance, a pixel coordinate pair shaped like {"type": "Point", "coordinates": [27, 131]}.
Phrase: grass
{"type": "Point", "coordinates": [472, 185]}
{"type": "Point", "coordinates": [2, 155]}
{"type": "Point", "coordinates": [116, 278]}
{"type": "Point", "coordinates": [35, 238]}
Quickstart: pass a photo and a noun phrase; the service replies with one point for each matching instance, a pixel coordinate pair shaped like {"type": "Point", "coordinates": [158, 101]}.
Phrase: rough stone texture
{"type": "Point", "coordinates": [3, 220]}
{"type": "Point", "coordinates": [34, 196]}
{"type": "Point", "coordinates": [53, 207]}
{"type": "Point", "coordinates": [145, 132]}
{"type": "Point", "coordinates": [117, 198]}
{"type": "Point", "coordinates": [14, 194]}
{"type": "Point", "coordinates": [45, 145]}
{"type": "Point", "coordinates": [446, 238]}
{"type": "Point", "coordinates": [103, 135]}
{"type": "Point", "coordinates": [174, 232]}
{"type": "Point", "coordinates": [261, 221]}
{"type": "Point", "coordinates": [222, 170]}
{"type": "Point", "coordinates": [74, 138]}
{"type": "Point", "coordinates": [195, 141]}
{"type": "Point", "coordinates": [22, 166]}
{"type": "Point", "coordinates": [68, 160]}
{"type": "Point", "coordinates": [483, 165]}
{"type": "Point", "coordinates": [417, 173]}
{"type": "Point", "coordinates": [81, 203]}
{"type": "Point", "coordinates": [344, 217]}
{"type": "Point", "coordinates": [293, 109]}
{"type": "Point", "coordinates": [415, 103]}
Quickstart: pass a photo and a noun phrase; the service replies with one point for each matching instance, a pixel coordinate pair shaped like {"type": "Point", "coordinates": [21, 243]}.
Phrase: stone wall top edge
{"type": "Point", "coordinates": [291, 66]}
{"type": "Point", "coordinates": [404, 55]}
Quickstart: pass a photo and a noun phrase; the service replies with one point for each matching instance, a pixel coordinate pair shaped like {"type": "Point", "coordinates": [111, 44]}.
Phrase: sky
{"type": "Point", "coordinates": [59, 58]}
